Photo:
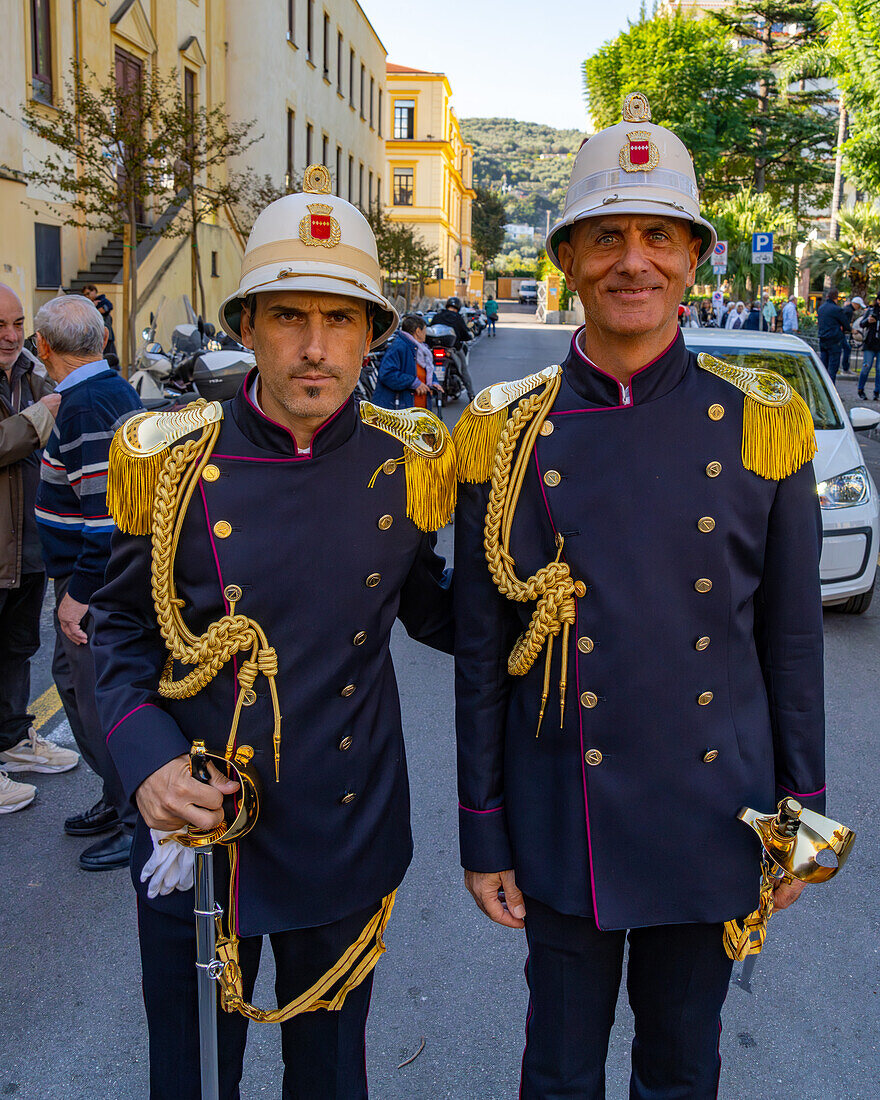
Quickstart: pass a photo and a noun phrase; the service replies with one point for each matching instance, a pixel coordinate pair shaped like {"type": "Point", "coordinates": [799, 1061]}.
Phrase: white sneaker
{"type": "Point", "coordinates": [36, 754]}
{"type": "Point", "coordinates": [14, 796]}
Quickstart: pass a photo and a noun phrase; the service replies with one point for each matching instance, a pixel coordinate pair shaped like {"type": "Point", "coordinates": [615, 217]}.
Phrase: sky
{"type": "Point", "coordinates": [505, 58]}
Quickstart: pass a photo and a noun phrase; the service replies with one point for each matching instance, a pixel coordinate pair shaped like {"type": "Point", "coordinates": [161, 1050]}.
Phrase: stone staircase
{"type": "Point", "coordinates": [106, 268]}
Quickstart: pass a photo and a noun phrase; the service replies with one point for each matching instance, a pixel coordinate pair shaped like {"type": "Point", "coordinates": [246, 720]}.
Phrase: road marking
{"type": "Point", "coordinates": [45, 707]}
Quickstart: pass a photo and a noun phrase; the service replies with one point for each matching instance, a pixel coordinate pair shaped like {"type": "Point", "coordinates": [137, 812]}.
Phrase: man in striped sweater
{"type": "Point", "coordinates": [75, 529]}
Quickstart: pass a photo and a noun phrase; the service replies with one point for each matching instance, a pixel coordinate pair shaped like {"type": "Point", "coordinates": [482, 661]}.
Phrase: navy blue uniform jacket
{"type": "Point", "coordinates": [646, 834]}
{"type": "Point", "coordinates": [306, 536]}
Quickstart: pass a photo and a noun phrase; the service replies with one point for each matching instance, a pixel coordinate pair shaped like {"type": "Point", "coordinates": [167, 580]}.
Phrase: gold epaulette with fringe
{"type": "Point", "coordinates": [778, 434]}
{"type": "Point", "coordinates": [136, 457]}
{"type": "Point", "coordinates": [428, 459]}
{"type": "Point", "coordinates": [479, 428]}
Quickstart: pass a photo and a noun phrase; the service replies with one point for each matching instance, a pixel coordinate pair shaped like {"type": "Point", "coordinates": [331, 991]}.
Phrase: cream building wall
{"type": "Point", "coordinates": [278, 76]}
{"type": "Point", "coordinates": [441, 163]}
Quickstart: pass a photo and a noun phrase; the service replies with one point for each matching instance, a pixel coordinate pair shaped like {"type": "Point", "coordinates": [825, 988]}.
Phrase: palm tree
{"type": "Point", "coordinates": [736, 218]}
{"type": "Point", "coordinates": [856, 255]}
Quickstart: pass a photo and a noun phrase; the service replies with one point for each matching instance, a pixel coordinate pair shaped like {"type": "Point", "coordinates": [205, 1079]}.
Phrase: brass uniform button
{"type": "Point", "coordinates": [713, 469]}
{"type": "Point", "coordinates": [232, 593]}
{"type": "Point", "coordinates": [248, 697]}
{"type": "Point", "coordinates": [546, 428]}
{"type": "Point", "coordinates": [585, 645]}
{"type": "Point", "coordinates": [345, 744]}
{"type": "Point", "coordinates": [389, 466]}
{"type": "Point", "coordinates": [589, 699]}
{"type": "Point", "coordinates": [703, 585]}
{"type": "Point", "coordinates": [349, 797]}
{"type": "Point", "coordinates": [716, 412]}
{"type": "Point", "coordinates": [385, 522]}
{"type": "Point", "coordinates": [373, 580]}
{"type": "Point", "coordinates": [593, 757]}
{"type": "Point", "coordinates": [709, 756]}
{"type": "Point", "coordinates": [706, 524]}
{"type": "Point", "coordinates": [580, 589]}
{"type": "Point", "coordinates": [705, 698]}
{"type": "Point", "coordinates": [349, 689]}
{"type": "Point", "coordinates": [702, 643]}
{"type": "Point", "coordinates": [359, 638]}
{"type": "Point", "coordinates": [222, 529]}
{"type": "Point", "coordinates": [552, 478]}
{"type": "Point", "coordinates": [210, 472]}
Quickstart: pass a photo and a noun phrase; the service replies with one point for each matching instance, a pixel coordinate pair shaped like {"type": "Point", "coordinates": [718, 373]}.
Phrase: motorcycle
{"type": "Point", "coordinates": [441, 340]}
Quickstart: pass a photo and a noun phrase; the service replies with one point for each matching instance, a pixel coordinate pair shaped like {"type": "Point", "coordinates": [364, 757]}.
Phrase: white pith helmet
{"type": "Point", "coordinates": [634, 167]}
{"type": "Point", "coordinates": [323, 245]}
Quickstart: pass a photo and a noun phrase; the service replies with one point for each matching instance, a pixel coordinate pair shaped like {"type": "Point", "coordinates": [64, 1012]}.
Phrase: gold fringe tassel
{"type": "Point", "coordinates": [131, 487]}
{"type": "Point", "coordinates": [777, 439]}
{"type": "Point", "coordinates": [431, 487]}
{"type": "Point", "coordinates": [476, 439]}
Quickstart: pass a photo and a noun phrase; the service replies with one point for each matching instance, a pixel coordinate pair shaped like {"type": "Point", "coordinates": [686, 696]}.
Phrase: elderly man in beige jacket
{"type": "Point", "coordinates": [27, 416]}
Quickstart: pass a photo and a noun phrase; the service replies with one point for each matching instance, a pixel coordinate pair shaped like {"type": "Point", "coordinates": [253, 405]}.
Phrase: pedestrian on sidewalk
{"type": "Point", "coordinates": [405, 377]}
{"type": "Point", "coordinates": [768, 312]}
{"type": "Point", "coordinates": [27, 416]}
{"type": "Point", "coordinates": [491, 314]}
{"type": "Point", "coordinates": [790, 316]}
{"type": "Point", "coordinates": [852, 308]}
{"type": "Point", "coordinates": [833, 325]}
{"type": "Point", "coordinates": [737, 316]}
{"type": "Point", "coordinates": [75, 530]}
{"type": "Point", "coordinates": [871, 349]}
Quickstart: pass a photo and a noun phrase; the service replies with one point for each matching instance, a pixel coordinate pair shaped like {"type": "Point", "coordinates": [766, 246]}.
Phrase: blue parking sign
{"type": "Point", "coordinates": [762, 248]}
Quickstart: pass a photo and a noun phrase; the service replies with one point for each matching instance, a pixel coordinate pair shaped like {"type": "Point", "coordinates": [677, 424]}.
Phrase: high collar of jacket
{"type": "Point", "coordinates": [269, 435]}
{"type": "Point", "coordinates": [653, 380]}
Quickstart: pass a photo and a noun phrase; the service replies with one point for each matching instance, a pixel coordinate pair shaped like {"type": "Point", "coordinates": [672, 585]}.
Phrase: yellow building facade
{"type": "Point", "coordinates": [429, 166]}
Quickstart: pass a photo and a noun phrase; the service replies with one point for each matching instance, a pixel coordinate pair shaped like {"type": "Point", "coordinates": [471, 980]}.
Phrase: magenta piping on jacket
{"type": "Point", "coordinates": [130, 713]}
{"type": "Point", "coordinates": [623, 403]}
{"type": "Point", "coordinates": [294, 458]}
{"type": "Point", "coordinates": [522, 1066]}
{"type": "Point", "coordinates": [797, 794]}
{"type": "Point", "coordinates": [497, 809]}
{"type": "Point", "coordinates": [580, 709]}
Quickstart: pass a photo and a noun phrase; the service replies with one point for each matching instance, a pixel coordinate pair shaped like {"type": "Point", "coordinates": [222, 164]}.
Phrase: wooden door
{"type": "Point", "coordinates": [129, 77]}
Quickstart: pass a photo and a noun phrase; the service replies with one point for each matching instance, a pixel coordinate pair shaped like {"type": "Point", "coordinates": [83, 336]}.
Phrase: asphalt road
{"type": "Point", "coordinates": [71, 1021]}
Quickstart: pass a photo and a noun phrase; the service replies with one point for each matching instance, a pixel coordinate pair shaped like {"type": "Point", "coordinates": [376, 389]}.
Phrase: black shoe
{"type": "Point", "coordinates": [101, 817]}
{"type": "Point", "coordinates": [108, 854]}
{"type": "Point", "coordinates": [862, 395]}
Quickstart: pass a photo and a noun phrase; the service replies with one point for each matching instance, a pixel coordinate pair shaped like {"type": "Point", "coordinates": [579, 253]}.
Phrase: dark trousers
{"type": "Point", "coordinates": [870, 359]}
{"type": "Point", "coordinates": [19, 640]}
{"type": "Point", "coordinates": [323, 1052]}
{"type": "Point", "coordinates": [830, 355]}
{"type": "Point", "coordinates": [461, 360]}
{"type": "Point", "coordinates": [73, 669]}
{"type": "Point", "coordinates": [677, 979]}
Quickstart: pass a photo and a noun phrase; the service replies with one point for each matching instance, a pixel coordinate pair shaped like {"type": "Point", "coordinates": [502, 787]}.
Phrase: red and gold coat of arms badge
{"type": "Point", "coordinates": [319, 227]}
{"type": "Point", "coordinates": [639, 154]}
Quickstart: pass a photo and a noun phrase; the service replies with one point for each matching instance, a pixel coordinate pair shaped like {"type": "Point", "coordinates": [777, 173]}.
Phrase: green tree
{"type": "Point", "coordinates": [403, 255]}
{"type": "Point", "coordinates": [736, 218]}
{"type": "Point", "coordinates": [855, 257]}
{"type": "Point", "coordinates": [487, 226]}
{"type": "Point", "coordinates": [698, 82]}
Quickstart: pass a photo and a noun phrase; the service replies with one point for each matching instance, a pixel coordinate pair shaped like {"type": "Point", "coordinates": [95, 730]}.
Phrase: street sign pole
{"type": "Point", "coordinates": [762, 253]}
{"type": "Point", "coordinates": [761, 302]}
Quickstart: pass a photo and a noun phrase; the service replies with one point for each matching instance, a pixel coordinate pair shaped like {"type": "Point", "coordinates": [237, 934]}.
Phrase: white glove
{"type": "Point", "coordinates": [170, 867]}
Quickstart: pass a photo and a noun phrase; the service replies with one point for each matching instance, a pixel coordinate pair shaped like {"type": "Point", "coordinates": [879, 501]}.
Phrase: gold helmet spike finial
{"type": "Point", "coordinates": [636, 108]}
{"type": "Point", "coordinates": [316, 180]}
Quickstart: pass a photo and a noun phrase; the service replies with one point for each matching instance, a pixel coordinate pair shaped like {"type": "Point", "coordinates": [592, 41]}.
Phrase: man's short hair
{"type": "Point", "coordinates": [412, 322]}
{"type": "Point", "coordinates": [90, 286]}
{"type": "Point", "coordinates": [71, 325]}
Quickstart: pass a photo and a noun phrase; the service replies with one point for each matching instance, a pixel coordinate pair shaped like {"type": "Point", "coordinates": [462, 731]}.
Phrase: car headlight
{"type": "Point", "coordinates": [845, 490]}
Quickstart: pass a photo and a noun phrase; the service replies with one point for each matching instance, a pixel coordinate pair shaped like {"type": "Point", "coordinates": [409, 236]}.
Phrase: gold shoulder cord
{"type": "Point", "coordinates": [552, 587]}
{"type": "Point", "coordinates": [139, 476]}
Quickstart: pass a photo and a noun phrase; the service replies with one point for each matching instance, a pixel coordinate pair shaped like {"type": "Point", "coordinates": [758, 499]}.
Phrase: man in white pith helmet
{"type": "Point", "coordinates": [638, 639]}
{"type": "Point", "coordinates": [306, 526]}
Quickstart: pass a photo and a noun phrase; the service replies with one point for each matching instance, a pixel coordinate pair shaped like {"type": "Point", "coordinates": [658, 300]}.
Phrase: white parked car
{"type": "Point", "coordinates": [847, 493]}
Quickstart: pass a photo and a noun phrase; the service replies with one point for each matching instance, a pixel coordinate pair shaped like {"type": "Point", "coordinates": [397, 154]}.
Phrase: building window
{"type": "Point", "coordinates": [310, 30]}
{"type": "Point", "coordinates": [361, 186]}
{"type": "Point", "coordinates": [351, 179]}
{"type": "Point", "coordinates": [370, 190]}
{"type": "Point", "coordinates": [291, 21]}
{"type": "Point", "coordinates": [47, 245]}
{"type": "Point", "coordinates": [403, 186]}
{"type": "Point", "coordinates": [324, 144]}
{"type": "Point", "coordinates": [41, 54]}
{"type": "Point", "coordinates": [339, 62]}
{"type": "Point", "coordinates": [404, 118]}
{"type": "Point", "coordinates": [326, 47]}
{"type": "Point", "coordinates": [351, 78]}
{"type": "Point", "coordinates": [380, 112]}
{"type": "Point", "coordinates": [378, 190]}
{"type": "Point", "coordinates": [288, 179]}
{"type": "Point", "coordinates": [308, 143]}
{"type": "Point", "coordinates": [215, 274]}
{"type": "Point", "coordinates": [339, 170]}
{"type": "Point", "coordinates": [363, 82]}
{"type": "Point", "coordinates": [372, 93]}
